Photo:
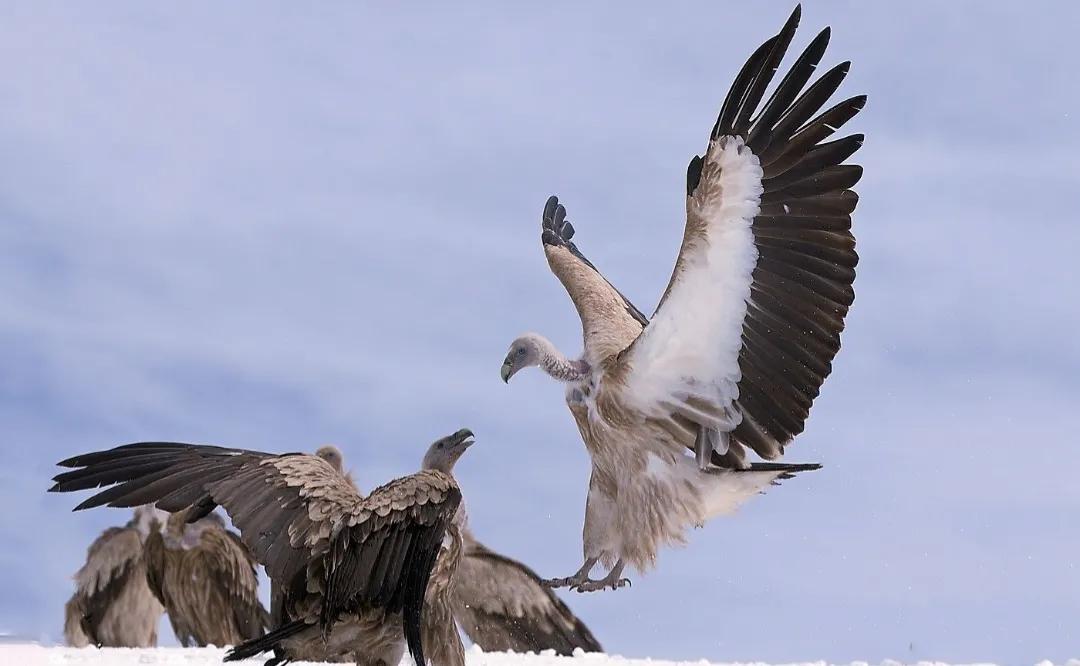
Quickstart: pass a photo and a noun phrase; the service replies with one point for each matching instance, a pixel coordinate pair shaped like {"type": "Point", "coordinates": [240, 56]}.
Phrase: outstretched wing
{"type": "Point", "coordinates": [300, 518]}
{"type": "Point", "coordinates": [502, 605]}
{"type": "Point", "coordinates": [609, 321]}
{"type": "Point", "coordinates": [750, 322]}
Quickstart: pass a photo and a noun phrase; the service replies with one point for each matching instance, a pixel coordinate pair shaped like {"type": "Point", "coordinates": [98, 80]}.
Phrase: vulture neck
{"type": "Point", "coordinates": [553, 362]}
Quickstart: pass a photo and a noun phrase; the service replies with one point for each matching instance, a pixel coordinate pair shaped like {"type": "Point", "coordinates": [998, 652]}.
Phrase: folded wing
{"type": "Point", "coordinates": [502, 605]}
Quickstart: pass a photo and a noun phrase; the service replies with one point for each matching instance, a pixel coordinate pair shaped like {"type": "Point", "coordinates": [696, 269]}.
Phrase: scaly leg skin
{"type": "Point", "coordinates": [578, 578]}
{"type": "Point", "coordinates": [611, 580]}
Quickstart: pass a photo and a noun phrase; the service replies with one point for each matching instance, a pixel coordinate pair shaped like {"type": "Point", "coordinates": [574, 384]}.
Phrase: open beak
{"type": "Point", "coordinates": [464, 438]}
{"type": "Point", "coordinates": [505, 372]}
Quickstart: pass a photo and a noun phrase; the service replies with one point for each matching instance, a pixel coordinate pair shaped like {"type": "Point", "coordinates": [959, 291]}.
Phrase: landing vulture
{"type": "Point", "coordinates": [744, 334]}
{"type": "Point", "coordinates": [112, 605]}
{"type": "Point", "coordinates": [205, 577]}
{"type": "Point", "coordinates": [354, 568]}
{"type": "Point", "coordinates": [500, 603]}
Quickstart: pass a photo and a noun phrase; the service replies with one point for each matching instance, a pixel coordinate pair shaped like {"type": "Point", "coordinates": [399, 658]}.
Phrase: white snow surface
{"type": "Point", "coordinates": [35, 655]}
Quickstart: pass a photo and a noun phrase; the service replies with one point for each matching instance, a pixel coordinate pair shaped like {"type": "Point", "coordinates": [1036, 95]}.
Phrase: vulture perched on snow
{"type": "Point", "coordinates": [744, 334]}
{"type": "Point", "coordinates": [354, 569]}
{"type": "Point", "coordinates": [205, 577]}
{"type": "Point", "coordinates": [112, 605]}
{"type": "Point", "coordinates": [500, 603]}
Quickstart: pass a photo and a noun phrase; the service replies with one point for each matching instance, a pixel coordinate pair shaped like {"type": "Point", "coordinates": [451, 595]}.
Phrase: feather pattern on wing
{"type": "Point", "coordinates": [502, 605]}
{"type": "Point", "coordinates": [750, 322]}
{"type": "Point", "coordinates": [205, 577]}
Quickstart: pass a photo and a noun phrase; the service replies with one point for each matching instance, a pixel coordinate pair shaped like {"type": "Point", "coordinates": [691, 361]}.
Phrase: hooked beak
{"type": "Point", "coordinates": [506, 371]}
{"type": "Point", "coordinates": [463, 438]}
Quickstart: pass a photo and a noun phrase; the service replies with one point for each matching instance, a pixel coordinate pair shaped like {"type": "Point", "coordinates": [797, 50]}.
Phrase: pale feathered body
{"type": "Point", "coordinates": [205, 577]}
{"type": "Point", "coordinates": [113, 605]}
{"type": "Point", "coordinates": [744, 335]}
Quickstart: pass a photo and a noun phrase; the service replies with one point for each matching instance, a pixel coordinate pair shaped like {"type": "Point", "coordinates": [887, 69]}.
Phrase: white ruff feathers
{"type": "Point", "coordinates": [691, 346]}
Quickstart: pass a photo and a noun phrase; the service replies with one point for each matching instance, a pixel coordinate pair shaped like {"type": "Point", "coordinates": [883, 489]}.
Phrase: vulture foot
{"type": "Point", "coordinates": [580, 577]}
{"type": "Point", "coordinates": [603, 584]}
{"type": "Point", "coordinates": [582, 583]}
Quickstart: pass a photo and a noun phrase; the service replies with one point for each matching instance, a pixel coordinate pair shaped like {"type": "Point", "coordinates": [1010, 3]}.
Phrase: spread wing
{"type": "Point", "coordinates": [750, 322]}
{"type": "Point", "coordinates": [609, 321]}
{"type": "Point", "coordinates": [502, 605]}
{"type": "Point", "coordinates": [299, 517]}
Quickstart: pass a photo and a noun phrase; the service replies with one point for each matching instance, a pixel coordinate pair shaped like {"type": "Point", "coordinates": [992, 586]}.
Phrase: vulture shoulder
{"type": "Point", "coordinates": [299, 517]}
{"type": "Point", "coordinates": [503, 605]}
{"type": "Point", "coordinates": [609, 321]}
{"type": "Point", "coordinates": [748, 326]}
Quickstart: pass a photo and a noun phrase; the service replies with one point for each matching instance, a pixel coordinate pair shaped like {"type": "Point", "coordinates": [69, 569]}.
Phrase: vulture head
{"type": "Point", "coordinates": [444, 452]}
{"type": "Point", "coordinates": [524, 352]}
{"type": "Point", "coordinates": [149, 518]}
{"type": "Point", "coordinates": [332, 455]}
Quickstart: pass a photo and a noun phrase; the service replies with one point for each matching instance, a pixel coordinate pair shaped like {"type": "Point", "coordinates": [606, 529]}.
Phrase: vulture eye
{"type": "Point", "coordinates": [520, 353]}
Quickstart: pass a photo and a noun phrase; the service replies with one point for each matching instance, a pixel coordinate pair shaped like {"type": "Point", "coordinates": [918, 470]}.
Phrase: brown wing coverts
{"type": "Point", "coordinates": [299, 517]}
{"type": "Point", "coordinates": [497, 622]}
{"type": "Point", "coordinates": [802, 284]}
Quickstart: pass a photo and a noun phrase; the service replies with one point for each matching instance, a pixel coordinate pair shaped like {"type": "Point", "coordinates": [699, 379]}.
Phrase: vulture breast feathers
{"type": "Point", "coordinates": [315, 535]}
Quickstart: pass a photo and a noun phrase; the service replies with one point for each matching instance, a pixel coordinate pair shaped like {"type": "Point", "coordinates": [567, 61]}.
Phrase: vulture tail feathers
{"type": "Point", "coordinates": [787, 470]}
{"type": "Point", "coordinates": [265, 643]}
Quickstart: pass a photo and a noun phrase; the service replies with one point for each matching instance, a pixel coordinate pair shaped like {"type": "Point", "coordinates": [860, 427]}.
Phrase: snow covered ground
{"type": "Point", "coordinates": [35, 655]}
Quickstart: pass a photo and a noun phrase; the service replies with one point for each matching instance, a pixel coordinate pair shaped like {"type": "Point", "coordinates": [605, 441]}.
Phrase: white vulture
{"type": "Point", "coordinates": [354, 569]}
{"type": "Point", "coordinates": [205, 577]}
{"type": "Point", "coordinates": [112, 605]}
{"type": "Point", "coordinates": [744, 334]}
{"type": "Point", "coordinates": [500, 603]}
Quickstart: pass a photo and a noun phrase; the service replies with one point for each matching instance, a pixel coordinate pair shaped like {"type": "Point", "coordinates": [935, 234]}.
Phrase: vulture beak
{"type": "Point", "coordinates": [463, 438]}
{"type": "Point", "coordinates": [506, 371]}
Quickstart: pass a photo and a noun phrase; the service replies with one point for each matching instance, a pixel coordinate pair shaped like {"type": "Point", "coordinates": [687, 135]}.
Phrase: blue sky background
{"type": "Point", "coordinates": [275, 227]}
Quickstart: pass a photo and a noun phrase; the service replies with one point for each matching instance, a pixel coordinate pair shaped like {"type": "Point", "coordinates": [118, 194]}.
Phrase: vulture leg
{"type": "Point", "coordinates": [611, 580]}
{"type": "Point", "coordinates": [578, 578]}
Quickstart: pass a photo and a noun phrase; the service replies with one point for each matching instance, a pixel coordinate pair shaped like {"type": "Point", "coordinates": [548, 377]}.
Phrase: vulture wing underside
{"type": "Point", "coordinates": [758, 297]}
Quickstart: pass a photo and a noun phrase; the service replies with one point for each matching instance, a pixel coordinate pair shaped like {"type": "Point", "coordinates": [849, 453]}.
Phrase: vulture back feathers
{"type": "Point", "coordinates": [206, 579]}
{"type": "Point", "coordinates": [112, 605]}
